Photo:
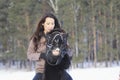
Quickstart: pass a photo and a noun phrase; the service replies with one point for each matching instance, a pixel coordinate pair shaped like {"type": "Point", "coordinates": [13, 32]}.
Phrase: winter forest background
{"type": "Point", "coordinates": [93, 27]}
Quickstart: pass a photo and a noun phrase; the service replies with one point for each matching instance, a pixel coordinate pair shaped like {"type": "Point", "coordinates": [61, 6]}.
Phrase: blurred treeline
{"type": "Point", "coordinates": [93, 27]}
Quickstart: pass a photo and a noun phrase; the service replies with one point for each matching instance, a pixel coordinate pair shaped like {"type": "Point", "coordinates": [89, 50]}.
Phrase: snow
{"type": "Point", "coordinates": [96, 73]}
{"type": "Point", "coordinates": [111, 73]}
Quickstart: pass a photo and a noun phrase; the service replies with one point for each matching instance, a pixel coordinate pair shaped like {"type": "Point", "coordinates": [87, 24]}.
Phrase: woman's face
{"type": "Point", "coordinates": [48, 24]}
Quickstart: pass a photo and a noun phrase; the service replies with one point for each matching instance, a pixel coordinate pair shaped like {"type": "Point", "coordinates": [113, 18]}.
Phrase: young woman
{"type": "Point", "coordinates": [37, 45]}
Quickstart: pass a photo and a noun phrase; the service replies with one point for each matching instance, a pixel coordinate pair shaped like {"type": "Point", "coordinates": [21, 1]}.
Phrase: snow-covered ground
{"type": "Point", "coordinates": [77, 74]}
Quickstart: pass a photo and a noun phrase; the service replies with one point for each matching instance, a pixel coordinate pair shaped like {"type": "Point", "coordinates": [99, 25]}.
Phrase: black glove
{"type": "Point", "coordinates": [43, 56]}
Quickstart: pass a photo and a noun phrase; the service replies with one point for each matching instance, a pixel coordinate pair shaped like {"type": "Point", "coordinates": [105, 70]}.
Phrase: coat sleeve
{"type": "Point", "coordinates": [69, 52]}
{"type": "Point", "coordinates": [31, 53]}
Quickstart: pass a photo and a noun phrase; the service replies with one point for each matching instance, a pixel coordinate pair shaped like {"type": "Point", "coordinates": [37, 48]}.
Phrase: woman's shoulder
{"type": "Point", "coordinates": [43, 39]}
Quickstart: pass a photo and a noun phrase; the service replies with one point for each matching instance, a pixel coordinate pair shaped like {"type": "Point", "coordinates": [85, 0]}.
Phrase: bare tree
{"type": "Point", "coordinates": [94, 31]}
{"type": "Point", "coordinates": [76, 8]}
{"type": "Point", "coordinates": [54, 5]}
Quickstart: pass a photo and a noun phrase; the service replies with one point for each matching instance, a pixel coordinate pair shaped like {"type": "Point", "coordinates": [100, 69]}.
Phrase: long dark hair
{"type": "Point", "coordinates": [40, 29]}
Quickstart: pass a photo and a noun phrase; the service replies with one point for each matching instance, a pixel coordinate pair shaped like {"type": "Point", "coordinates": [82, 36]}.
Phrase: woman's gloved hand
{"type": "Point", "coordinates": [56, 52]}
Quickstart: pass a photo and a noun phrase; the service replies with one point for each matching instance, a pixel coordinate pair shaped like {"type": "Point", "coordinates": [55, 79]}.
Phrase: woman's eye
{"type": "Point", "coordinates": [48, 23]}
{"type": "Point", "coordinates": [52, 23]}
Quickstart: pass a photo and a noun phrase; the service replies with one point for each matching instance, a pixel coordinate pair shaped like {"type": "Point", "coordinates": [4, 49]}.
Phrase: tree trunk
{"type": "Point", "coordinates": [117, 36]}
{"type": "Point", "coordinates": [94, 32]}
{"type": "Point", "coordinates": [111, 33]}
{"type": "Point", "coordinates": [75, 13]}
{"type": "Point", "coordinates": [27, 24]}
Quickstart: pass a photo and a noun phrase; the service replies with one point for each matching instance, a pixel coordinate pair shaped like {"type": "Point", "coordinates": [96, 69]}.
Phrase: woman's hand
{"type": "Point", "coordinates": [56, 52]}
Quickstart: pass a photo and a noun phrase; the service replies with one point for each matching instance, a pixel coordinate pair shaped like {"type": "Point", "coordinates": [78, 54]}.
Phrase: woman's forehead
{"type": "Point", "coordinates": [49, 19]}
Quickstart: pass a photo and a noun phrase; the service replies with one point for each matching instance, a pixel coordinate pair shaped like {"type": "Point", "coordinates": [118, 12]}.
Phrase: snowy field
{"type": "Point", "coordinates": [77, 74]}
